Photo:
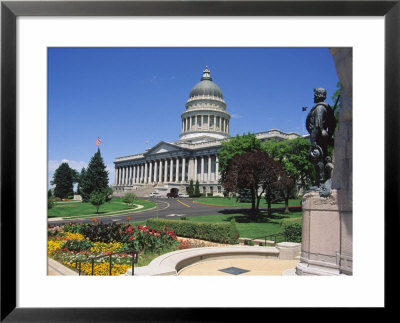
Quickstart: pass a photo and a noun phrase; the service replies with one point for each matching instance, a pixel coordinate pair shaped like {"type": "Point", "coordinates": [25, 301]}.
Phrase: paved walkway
{"type": "Point", "coordinates": [54, 268]}
{"type": "Point", "coordinates": [239, 267]}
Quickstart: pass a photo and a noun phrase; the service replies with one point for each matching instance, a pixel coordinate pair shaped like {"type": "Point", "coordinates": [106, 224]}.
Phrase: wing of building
{"type": "Point", "coordinates": [169, 166]}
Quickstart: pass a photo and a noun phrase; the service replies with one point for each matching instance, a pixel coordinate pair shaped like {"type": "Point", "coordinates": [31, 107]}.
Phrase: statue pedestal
{"type": "Point", "coordinates": [321, 234]}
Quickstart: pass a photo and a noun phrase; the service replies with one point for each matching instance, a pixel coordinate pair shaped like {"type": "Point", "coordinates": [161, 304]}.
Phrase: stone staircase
{"type": "Point", "coordinates": [140, 190]}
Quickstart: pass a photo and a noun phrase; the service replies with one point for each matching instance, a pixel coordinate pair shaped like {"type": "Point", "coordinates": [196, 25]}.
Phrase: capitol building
{"type": "Point", "coordinates": [170, 166]}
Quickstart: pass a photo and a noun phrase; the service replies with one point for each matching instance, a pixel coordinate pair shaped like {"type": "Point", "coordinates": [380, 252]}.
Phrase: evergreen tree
{"type": "Point", "coordinates": [190, 189]}
{"type": "Point", "coordinates": [63, 179]}
{"type": "Point", "coordinates": [81, 177]}
{"type": "Point", "coordinates": [95, 178]}
{"type": "Point", "coordinates": [197, 189]}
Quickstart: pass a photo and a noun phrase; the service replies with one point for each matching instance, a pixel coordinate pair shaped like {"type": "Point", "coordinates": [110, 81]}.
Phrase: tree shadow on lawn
{"type": "Point", "coordinates": [247, 216]}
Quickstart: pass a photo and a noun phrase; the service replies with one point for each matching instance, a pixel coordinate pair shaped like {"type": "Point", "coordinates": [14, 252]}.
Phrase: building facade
{"type": "Point", "coordinates": [170, 166]}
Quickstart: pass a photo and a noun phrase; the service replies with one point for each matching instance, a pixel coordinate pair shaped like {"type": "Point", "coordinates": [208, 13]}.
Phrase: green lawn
{"type": "Point", "coordinates": [224, 201]}
{"type": "Point", "coordinates": [80, 209]}
{"type": "Point", "coordinates": [248, 227]}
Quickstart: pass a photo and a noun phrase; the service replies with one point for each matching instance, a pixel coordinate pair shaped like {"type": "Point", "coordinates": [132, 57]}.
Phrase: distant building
{"type": "Point", "coordinates": [169, 166]}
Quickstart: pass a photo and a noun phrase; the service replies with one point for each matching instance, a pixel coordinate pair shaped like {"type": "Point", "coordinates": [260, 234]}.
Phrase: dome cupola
{"type": "Point", "coordinates": [206, 87]}
{"type": "Point", "coordinates": [205, 114]}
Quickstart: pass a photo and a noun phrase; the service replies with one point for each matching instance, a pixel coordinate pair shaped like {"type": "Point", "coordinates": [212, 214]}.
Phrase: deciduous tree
{"type": "Point", "coordinates": [235, 146]}
{"type": "Point", "coordinates": [252, 170]}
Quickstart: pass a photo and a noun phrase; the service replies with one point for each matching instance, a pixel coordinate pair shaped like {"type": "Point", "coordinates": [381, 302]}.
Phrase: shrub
{"type": "Point", "coordinates": [290, 221]}
{"type": "Point", "coordinates": [129, 198]}
{"type": "Point", "coordinates": [293, 232]}
{"type": "Point", "coordinates": [216, 232]}
{"type": "Point", "coordinates": [50, 203]}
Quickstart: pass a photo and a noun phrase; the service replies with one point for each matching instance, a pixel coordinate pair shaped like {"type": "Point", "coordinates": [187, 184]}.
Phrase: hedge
{"type": "Point", "coordinates": [286, 222]}
{"type": "Point", "coordinates": [216, 232]}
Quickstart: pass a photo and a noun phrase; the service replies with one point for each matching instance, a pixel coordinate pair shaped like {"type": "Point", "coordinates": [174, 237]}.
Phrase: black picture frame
{"type": "Point", "coordinates": [10, 10]}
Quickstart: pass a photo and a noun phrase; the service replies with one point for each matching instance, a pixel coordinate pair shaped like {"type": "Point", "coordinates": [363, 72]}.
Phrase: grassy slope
{"type": "Point", "coordinates": [75, 209]}
{"type": "Point", "coordinates": [224, 201]}
{"type": "Point", "coordinates": [249, 228]}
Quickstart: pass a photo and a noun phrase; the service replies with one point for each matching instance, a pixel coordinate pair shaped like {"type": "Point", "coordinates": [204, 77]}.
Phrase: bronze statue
{"type": "Point", "coordinates": [321, 124]}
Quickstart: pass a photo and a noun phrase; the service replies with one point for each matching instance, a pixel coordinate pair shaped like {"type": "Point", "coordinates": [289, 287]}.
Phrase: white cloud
{"type": "Point", "coordinates": [236, 116]}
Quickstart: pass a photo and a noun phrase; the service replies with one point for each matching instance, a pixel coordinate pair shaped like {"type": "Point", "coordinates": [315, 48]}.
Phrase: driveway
{"type": "Point", "coordinates": [170, 208]}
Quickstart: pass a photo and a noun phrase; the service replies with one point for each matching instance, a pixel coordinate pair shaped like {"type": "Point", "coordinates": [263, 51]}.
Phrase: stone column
{"type": "Point", "coordinates": [190, 169]}
{"type": "Point", "coordinates": [115, 175]}
{"type": "Point", "coordinates": [209, 170]}
{"type": "Point", "coordinates": [155, 171]}
{"type": "Point", "coordinates": [145, 172]}
{"type": "Point", "coordinates": [123, 175]}
{"type": "Point", "coordinates": [150, 171]}
{"type": "Point", "coordinates": [171, 170]}
{"type": "Point", "coordinates": [160, 172]}
{"type": "Point", "coordinates": [183, 169]}
{"type": "Point", "coordinates": [134, 174]}
{"type": "Point", "coordinates": [195, 170]}
{"type": "Point", "coordinates": [177, 170]}
{"type": "Point", "coordinates": [166, 171]}
{"type": "Point", "coordinates": [216, 169]}
{"type": "Point", "coordinates": [202, 170]}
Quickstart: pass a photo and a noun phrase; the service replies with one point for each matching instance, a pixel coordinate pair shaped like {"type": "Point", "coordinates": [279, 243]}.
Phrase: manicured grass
{"type": "Point", "coordinates": [80, 209]}
{"type": "Point", "coordinates": [248, 226]}
{"type": "Point", "coordinates": [224, 201]}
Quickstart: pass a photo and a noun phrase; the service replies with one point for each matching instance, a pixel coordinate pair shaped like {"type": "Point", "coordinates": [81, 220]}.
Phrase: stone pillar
{"type": "Point", "coordinates": [209, 170]}
{"type": "Point", "coordinates": [177, 170]}
{"type": "Point", "coordinates": [160, 172]}
{"type": "Point", "coordinates": [134, 174]}
{"type": "Point", "coordinates": [146, 167]}
{"type": "Point", "coordinates": [155, 171]}
{"type": "Point", "coordinates": [183, 169]}
{"type": "Point", "coordinates": [171, 170]}
{"type": "Point", "coordinates": [195, 169]}
{"type": "Point", "coordinates": [327, 234]}
{"type": "Point", "coordinates": [150, 171]}
{"type": "Point", "coordinates": [166, 171]}
{"type": "Point", "coordinates": [115, 175]}
{"type": "Point", "coordinates": [123, 175]}
{"type": "Point", "coordinates": [202, 170]}
{"type": "Point", "coordinates": [190, 169]}
{"type": "Point", "coordinates": [216, 169]}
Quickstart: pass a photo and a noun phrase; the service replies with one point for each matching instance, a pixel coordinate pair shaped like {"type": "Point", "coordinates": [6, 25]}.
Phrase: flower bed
{"type": "Point", "coordinates": [72, 242]}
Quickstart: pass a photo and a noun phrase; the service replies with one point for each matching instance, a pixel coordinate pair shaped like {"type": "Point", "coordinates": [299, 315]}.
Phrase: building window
{"type": "Point", "coordinates": [211, 189]}
{"type": "Point", "coordinates": [193, 121]}
{"type": "Point", "coordinates": [199, 121]}
{"type": "Point", "coordinates": [204, 190]}
{"type": "Point", "coordinates": [205, 122]}
{"type": "Point", "coordinates": [211, 121]}
{"type": "Point", "coordinates": [219, 189]}
{"type": "Point", "coordinates": [217, 122]}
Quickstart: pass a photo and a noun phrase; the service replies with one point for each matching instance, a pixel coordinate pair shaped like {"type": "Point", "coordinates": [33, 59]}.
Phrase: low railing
{"type": "Point", "coordinates": [134, 253]}
{"type": "Point", "coordinates": [272, 237]}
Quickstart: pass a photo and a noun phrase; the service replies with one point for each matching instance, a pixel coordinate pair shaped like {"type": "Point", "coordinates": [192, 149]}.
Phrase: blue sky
{"type": "Point", "coordinates": [127, 96]}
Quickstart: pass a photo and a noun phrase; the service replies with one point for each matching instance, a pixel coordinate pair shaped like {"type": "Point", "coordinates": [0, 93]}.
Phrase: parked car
{"type": "Point", "coordinates": [172, 195]}
{"type": "Point", "coordinates": [154, 194]}
{"type": "Point", "coordinates": [183, 195]}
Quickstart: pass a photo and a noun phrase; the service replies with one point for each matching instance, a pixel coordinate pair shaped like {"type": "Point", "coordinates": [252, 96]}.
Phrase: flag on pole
{"type": "Point", "coordinates": [304, 108]}
{"type": "Point", "coordinates": [98, 142]}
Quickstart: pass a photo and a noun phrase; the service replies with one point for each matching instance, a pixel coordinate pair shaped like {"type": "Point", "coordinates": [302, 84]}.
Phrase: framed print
{"type": "Point", "coordinates": [140, 23]}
